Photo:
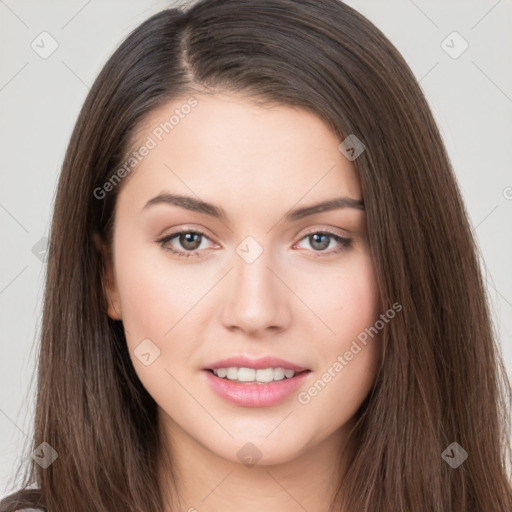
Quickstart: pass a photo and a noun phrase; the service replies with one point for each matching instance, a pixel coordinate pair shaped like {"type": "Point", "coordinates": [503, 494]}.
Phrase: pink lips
{"type": "Point", "coordinates": [255, 395]}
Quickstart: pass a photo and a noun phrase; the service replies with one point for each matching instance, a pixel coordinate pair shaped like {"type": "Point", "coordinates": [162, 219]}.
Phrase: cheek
{"type": "Point", "coordinates": [333, 398]}
{"type": "Point", "coordinates": [349, 357]}
{"type": "Point", "coordinates": [359, 298]}
{"type": "Point", "coordinates": [348, 303]}
{"type": "Point", "coordinates": [157, 300]}
{"type": "Point", "coordinates": [155, 294]}
{"type": "Point", "coordinates": [358, 340]}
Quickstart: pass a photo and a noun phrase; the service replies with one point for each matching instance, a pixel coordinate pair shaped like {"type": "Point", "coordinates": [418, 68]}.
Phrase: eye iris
{"type": "Point", "coordinates": [315, 238]}
{"type": "Point", "coordinates": [187, 238]}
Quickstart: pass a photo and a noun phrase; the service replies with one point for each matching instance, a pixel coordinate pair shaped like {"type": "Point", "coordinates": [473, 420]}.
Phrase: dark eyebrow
{"type": "Point", "coordinates": [325, 206]}
{"type": "Point", "coordinates": [196, 205]}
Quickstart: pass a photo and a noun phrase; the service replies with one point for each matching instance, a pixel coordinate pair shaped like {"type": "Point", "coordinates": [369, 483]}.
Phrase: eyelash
{"type": "Point", "coordinates": [345, 243]}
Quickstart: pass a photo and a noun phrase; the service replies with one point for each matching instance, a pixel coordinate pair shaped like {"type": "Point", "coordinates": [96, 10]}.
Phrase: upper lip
{"type": "Point", "coordinates": [259, 363]}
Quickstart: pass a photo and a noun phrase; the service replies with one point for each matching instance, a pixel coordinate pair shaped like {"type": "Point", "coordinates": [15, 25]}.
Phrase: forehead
{"type": "Point", "coordinates": [227, 149]}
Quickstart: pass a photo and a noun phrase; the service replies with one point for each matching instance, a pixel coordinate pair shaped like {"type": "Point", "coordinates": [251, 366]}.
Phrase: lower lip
{"type": "Point", "coordinates": [255, 395]}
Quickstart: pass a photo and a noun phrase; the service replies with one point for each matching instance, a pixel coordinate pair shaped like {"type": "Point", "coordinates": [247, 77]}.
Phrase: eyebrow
{"type": "Point", "coordinates": [199, 206]}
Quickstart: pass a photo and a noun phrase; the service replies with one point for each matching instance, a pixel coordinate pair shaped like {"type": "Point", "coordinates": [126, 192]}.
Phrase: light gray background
{"type": "Point", "coordinates": [40, 99]}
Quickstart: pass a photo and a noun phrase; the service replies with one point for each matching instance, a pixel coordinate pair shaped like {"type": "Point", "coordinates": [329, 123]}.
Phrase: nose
{"type": "Point", "coordinates": [258, 299]}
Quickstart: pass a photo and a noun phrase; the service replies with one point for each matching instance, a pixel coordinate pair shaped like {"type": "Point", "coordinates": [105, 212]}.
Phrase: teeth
{"type": "Point", "coordinates": [251, 375]}
{"type": "Point", "coordinates": [289, 374]}
{"type": "Point", "coordinates": [246, 374]}
{"type": "Point", "coordinates": [266, 375]}
{"type": "Point", "coordinates": [278, 373]}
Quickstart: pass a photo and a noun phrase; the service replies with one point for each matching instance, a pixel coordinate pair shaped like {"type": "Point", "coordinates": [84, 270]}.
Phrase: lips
{"type": "Point", "coordinates": [255, 394]}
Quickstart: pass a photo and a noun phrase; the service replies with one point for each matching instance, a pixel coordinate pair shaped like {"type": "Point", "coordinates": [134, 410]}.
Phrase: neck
{"type": "Point", "coordinates": [205, 481]}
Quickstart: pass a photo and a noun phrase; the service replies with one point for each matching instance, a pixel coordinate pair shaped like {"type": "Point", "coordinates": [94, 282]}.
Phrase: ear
{"type": "Point", "coordinates": [108, 280]}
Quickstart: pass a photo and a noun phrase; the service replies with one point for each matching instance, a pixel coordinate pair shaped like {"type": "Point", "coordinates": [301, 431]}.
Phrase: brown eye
{"type": "Point", "coordinates": [188, 243]}
{"type": "Point", "coordinates": [319, 241]}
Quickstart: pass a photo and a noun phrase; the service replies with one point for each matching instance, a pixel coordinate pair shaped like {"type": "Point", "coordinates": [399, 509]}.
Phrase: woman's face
{"type": "Point", "coordinates": [258, 280]}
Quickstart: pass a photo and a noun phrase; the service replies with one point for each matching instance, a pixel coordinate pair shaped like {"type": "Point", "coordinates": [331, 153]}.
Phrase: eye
{"type": "Point", "coordinates": [188, 239]}
{"type": "Point", "coordinates": [321, 240]}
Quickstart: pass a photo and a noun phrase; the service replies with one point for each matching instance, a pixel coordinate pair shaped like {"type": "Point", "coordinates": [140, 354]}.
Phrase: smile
{"type": "Point", "coordinates": [252, 375]}
{"type": "Point", "coordinates": [253, 392]}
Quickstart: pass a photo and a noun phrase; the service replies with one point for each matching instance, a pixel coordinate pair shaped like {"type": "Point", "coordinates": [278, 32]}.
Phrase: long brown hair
{"type": "Point", "coordinates": [442, 379]}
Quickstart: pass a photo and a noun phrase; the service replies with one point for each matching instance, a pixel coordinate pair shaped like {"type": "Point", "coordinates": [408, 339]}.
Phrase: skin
{"type": "Point", "coordinates": [257, 163]}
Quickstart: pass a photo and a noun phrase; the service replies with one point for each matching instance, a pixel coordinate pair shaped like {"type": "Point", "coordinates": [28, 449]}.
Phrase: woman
{"type": "Point", "coordinates": [263, 290]}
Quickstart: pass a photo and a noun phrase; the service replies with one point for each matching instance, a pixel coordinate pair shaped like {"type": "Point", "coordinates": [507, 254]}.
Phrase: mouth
{"type": "Point", "coordinates": [255, 382]}
{"type": "Point", "coordinates": [258, 376]}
